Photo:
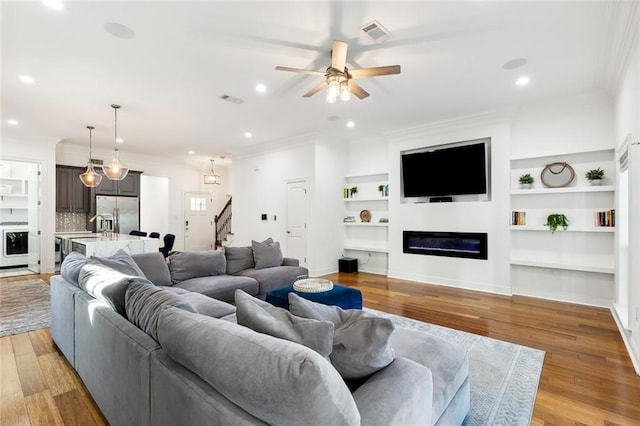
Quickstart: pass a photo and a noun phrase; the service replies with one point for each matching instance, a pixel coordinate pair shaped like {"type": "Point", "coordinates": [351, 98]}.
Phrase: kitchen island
{"type": "Point", "coordinates": [101, 245]}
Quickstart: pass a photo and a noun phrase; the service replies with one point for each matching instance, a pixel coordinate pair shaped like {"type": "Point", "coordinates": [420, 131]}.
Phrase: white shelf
{"type": "Point", "coordinates": [14, 195]}
{"type": "Point", "coordinates": [362, 248]}
{"type": "Point", "coordinates": [565, 266]}
{"type": "Point", "coordinates": [365, 224]}
{"type": "Point", "coordinates": [17, 179]}
{"type": "Point", "coordinates": [565, 190]}
{"type": "Point", "coordinates": [366, 199]}
{"type": "Point", "coordinates": [603, 229]}
{"type": "Point", "coordinates": [366, 175]}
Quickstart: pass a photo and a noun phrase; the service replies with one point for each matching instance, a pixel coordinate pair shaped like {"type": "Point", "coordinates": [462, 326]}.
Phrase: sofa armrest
{"type": "Point", "coordinates": [399, 394]}
{"type": "Point", "coordinates": [289, 261]}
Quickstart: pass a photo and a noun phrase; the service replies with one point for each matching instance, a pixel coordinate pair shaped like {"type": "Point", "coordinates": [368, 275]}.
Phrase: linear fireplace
{"type": "Point", "coordinates": [470, 245]}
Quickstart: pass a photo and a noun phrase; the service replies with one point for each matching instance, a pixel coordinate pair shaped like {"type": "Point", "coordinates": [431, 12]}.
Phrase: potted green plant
{"type": "Point", "coordinates": [556, 219]}
{"type": "Point", "coordinates": [381, 190]}
{"type": "Point", "coordinates": [595, 176]}
{"type": "Point", "coordinates": [353, 191]}
{"type": "Point", "coordinates": [526, 180]}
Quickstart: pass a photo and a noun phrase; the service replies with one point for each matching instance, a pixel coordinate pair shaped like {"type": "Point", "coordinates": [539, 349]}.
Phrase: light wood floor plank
{"type": "Point", "coordinates": [73, 409]}
{"type": "Point", "coordinates": [42, 410]}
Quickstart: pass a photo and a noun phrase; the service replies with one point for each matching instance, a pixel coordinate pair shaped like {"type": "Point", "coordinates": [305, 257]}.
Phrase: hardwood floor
{"type": "Point", "coordinates": [587, 377]}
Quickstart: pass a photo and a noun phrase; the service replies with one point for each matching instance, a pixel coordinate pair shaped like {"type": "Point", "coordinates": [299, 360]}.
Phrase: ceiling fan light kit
{"type": "Point", "coordinates": [338, 80]}
{"type": "Point", "coordinates": [115, 170]}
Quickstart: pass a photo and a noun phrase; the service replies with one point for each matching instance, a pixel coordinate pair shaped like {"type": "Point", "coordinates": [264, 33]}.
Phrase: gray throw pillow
{"type": "Point", "coordinates": [106, 284]}
{"type": "Point", "coordinates": [238, 259]}
{"type": "Point", "coordinates": [268, 319]}
{"type": "Point", "coordinates": [122, 262]}
{"type": "Point", "coordinates": [185, 265]}
{"type": "Point", "coordinates": [267, 255]}
{"type": "Point", "coordinates": [71, 266]}
{"type": "Point", "coordinates": [361, 343]}
{"type": "Point", "coordinates": [144, 301]}
{"type": "Point", "coordinates": [154, 266]}
{"type": "Point", "coordinates": [206, 305]}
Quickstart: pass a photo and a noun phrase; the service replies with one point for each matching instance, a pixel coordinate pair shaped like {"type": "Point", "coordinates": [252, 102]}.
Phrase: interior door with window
{"type": "Point", "coordinates": [297, 220]}
{"type": "Point", "coordinates": [198, 221]}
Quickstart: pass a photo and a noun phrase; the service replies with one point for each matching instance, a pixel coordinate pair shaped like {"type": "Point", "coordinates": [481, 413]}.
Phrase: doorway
{"type": "Point", "coordinates": [297, 205]}
{"type": "Point", "coordinates": [198, 221]}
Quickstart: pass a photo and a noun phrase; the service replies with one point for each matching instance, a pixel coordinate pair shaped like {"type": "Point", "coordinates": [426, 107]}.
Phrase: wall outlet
{"type": "Point", "coordinates": [263, 216]}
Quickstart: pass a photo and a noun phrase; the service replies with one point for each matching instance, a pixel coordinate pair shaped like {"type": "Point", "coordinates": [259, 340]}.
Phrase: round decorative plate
{"type": "Point", "coordinates": [557, 175]}
{"type": "Point", "coordinates": [365, 216]}
{"type": "Point", "coordinates": [312, 285]}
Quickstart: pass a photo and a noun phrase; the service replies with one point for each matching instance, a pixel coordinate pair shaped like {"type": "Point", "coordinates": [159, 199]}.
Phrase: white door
{"type": "Point", "coordinates": [198, 221]}
{"type": "Point", "coordinates": [33, 217]}
{"type": "Point", "coordinates": [297, 195]}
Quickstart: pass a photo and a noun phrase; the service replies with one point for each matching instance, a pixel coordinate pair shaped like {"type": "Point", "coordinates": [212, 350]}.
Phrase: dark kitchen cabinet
{"type": "Point", "coordinates": [129, 186]}
{"type": "Point", "coordinates": [71, 194]}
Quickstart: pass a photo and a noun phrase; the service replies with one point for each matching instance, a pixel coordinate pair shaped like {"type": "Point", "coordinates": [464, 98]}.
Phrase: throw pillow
{"type": "Point", "coordinates": [239, 259]}
{"type": "Point", "coordinates": [265, 318]}
{"type": "Point", "coordinates": [154, 266]}
{"type": "Point", "coordinates": [106, 284]}
{"type": "Point", "coordinates": [361, 343]}
{"type": "Point", "coordinates": [122, 262]}
{"type": "Point", "coordinates": [185, 265]}
{"type": "Point", "coordinates": [267, 255]}
{"type": "Point", "coordinates": [144, 301]}
{"type": "Point", "coordinates": [71, 266]}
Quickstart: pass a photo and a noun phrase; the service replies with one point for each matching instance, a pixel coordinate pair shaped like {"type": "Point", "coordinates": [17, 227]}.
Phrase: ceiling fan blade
{"type": "Point", "coordinates": [339, 55]}
{"type": "Point", "coordinates": [298, 70]}
{"type": "Point", "coordinates": [375, 71]}
{"type": "Point", "coordinates": [357, 90]}
{"type": "Point", "coordinates": [315, 90]}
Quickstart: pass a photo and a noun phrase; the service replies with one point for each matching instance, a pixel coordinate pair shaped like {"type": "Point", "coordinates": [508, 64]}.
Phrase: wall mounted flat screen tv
{"type": "Point", "coordinates": [446, 171]}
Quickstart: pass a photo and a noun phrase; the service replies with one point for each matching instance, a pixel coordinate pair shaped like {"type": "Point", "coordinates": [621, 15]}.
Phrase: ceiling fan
{"type": "Point", "coordinates": [339, 79]}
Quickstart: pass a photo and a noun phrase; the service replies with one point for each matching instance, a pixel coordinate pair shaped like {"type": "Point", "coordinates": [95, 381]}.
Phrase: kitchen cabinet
{"type": "Point", "coordinates": [129, 186]}
{"type": "Point", "coordinates": [71, 194]}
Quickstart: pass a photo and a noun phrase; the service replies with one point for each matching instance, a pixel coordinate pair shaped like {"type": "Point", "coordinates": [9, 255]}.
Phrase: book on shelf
{"type": "Point", "coordinates": [518, 218]}
{"type": "Point", "coordinates": [606, 218]}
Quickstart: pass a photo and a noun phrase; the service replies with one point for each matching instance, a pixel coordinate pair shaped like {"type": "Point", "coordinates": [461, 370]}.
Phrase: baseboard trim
{"type": "Point", "coordinates": [566, 298]}
{"type": "Point", "coordinates": [634, 353]}
{"type": "Point", "coordinates": [467, 285]}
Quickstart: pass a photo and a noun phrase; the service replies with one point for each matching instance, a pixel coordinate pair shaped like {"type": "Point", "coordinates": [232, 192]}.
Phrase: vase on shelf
{"type": "Point", "coordinates": [595, 182]}
{"type": "Point", "coordinates": [525, 186]}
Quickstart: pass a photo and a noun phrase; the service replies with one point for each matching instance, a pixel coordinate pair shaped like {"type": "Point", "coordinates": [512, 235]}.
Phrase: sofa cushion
{"type": "Point", "coordinates": [106, 284]}
{"type": "Point", "coordinates": [277, 381]}
{"type": "Point", "coordinates": [185, 265]}
{"type": "Point", "coordinates": [154, 266]}
{"type": "Point", "coordinates": [122, 262]}
{"type": "Point", "coordinates": [266, 255]}
{"type": "Point", "coordinates": [449, 363]}
{"type": "Point", "coordinates": [272, 278]}
{"type": "Point", "coordinates": [144, 301]}
{"type": "Point", "coordinates": [265, 318]}
{"type": "Point", "coordinates": [71, 266]}
{"type": "Point", "coordinates": [360, 341]}
{"type": "Point", "coordinates": [239, 259]}
{"type": "Point", "coordinates": [208, 306]}
{"type": "Point", "coordinates": [221, 287]}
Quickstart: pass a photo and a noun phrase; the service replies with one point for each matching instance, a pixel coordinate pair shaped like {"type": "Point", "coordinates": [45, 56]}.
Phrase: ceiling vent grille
{"type": "Point", "coordinates": [97, 162]}
{"type": "Point", "coordinates": [376, 31]}
{"type": "Point", "coordinates": [231, 99]}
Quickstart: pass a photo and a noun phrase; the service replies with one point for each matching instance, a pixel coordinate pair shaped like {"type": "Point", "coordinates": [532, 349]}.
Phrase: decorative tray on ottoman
{"type": "Point", "coordinates": [312, 285]}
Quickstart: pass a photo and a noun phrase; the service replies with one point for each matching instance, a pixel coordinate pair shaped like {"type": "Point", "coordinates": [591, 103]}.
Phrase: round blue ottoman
{"type": "Point", "coordinates": [339, 295]}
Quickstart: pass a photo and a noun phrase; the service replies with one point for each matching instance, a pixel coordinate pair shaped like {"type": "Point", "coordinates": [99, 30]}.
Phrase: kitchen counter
{"type": "Point", "coordinates": [98, 244]}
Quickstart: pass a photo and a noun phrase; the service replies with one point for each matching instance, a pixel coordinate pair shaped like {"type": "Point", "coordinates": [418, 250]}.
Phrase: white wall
{"type": "Point", "coordinates": [182, 178]}
{"type": "Point", "coordinates": [627, 121]}
{"type": "Point", "coordinates": [43, 153]}
{"type": "Point", "coordinates": [488, 216]}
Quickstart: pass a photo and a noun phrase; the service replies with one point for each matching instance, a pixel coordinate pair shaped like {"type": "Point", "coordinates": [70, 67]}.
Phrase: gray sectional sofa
{"type": "Point", "coordinates": [162, 355]}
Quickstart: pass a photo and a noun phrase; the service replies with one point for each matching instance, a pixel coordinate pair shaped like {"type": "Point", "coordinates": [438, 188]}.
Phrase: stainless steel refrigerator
{"type": "Point", "coordinates": [124, 211]}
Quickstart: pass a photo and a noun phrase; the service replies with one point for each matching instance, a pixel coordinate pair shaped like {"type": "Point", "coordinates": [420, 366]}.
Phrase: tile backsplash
{"type": "Point", "coordinates": [66, 222]}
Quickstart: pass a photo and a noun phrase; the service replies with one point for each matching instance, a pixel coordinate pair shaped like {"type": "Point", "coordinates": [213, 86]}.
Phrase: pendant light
{"type": "Point", "coordinates": [212, 178]}
{"type": "Point", "coordinates": [90, 178]}
{"type": "Point", "coordinates": [115, 170]}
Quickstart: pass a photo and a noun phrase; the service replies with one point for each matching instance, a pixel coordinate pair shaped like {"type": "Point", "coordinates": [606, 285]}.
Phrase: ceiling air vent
{"type": "Point", "coordinates": [376, 31]}
{"type": "Point", "coordinates": [97, 162]}
{"type": "Point", "coordinates": [231, 99]}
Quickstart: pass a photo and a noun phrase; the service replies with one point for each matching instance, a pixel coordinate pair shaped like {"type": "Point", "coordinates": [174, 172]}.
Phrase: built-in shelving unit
{"type": "Point", "coordinates": [367, 240]}
{"type": "Point", "coordinates": [553, 265]}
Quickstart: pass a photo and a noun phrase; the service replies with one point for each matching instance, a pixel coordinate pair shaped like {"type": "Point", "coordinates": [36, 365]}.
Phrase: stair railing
{"type": "Point", "coordinates": [223, 224]}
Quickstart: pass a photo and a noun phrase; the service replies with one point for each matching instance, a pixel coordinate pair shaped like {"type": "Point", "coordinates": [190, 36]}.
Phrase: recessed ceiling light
{"type": "Point", "coordinates": [119, 140]}
{"type": "Point", "coordinates": [119, 30]}
{"type": "Point", "coordinates": [53, 4]}
{"type": "Point", "coordinates": [27, 79]}
{"type": "Point", "coordinates": [248, 135]}
{"type": "Point", "coordinates": [351, 124]}
{"type": "Point", "coordinates": [191, 152]}
{"type": "Point", "coordinates": [261, 88]}
{"type": "Point", "coordinates": [12, 122]}
{"type": "Point", "coordinates": [522, 81]}
{"type": "Point", "coordinates": [514, 63]}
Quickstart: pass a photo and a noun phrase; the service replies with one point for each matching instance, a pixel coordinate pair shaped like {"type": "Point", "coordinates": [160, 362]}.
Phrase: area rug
{"type": "Point", "coordinates": [24, 306]}
{"type": "Point", "coordinates": [504, 377]}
